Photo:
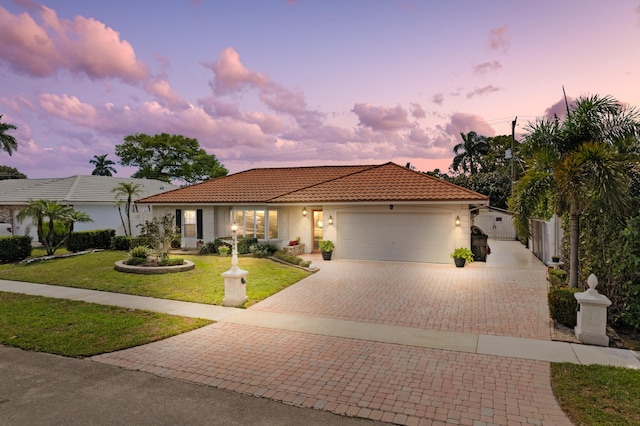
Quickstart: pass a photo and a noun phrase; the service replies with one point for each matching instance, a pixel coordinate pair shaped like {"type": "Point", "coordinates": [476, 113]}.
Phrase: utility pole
{"type": "Point", "coordinates": [513, 154]}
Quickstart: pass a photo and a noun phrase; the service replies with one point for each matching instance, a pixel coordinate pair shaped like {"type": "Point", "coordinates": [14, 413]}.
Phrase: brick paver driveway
{"type": "Point", "coordinates": [402, 384]}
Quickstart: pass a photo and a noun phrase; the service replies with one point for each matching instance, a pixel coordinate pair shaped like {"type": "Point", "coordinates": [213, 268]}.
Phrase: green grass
{"type": "Point", "coordinates": [203, 284]}
{"type": "Point", "coordinates": [597, 395]}
{"type": "Point", "coordinates": [79, 329]}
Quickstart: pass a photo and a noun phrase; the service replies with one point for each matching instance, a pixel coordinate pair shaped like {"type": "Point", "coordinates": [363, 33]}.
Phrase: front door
{"type": "Point", "coordinates": [317, 230]}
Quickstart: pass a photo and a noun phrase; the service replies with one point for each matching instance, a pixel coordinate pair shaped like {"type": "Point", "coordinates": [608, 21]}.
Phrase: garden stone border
{"type": "Point", "coordinates": [120, 266]}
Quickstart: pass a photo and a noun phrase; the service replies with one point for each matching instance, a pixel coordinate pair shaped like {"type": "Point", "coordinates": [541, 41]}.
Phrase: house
{"type": "Point", "coordinates": [375, 212]}
{"type": "Point", "coordinates": [90, 194]}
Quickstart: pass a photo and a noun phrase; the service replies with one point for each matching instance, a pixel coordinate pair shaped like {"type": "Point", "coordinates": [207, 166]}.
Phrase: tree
{"type": "Point", "coordinates": [104, 166]}
{"type": "Point", "coordinates": [48, 215]}
{"type": "Point", "coordinates": [160, 232]}
{"type": "Point", "coordinates": [7, 172]}
{"type": "Point", "coordinates": [124, 193]}
{"type": "Point", "coordinates": [575, 163]}
{"type": "Point", "coordinates": [468, 153]}
{"type": "Point", "coordinates": [168, 157]}
{"type": "Point", "coordinates": [7, 142]}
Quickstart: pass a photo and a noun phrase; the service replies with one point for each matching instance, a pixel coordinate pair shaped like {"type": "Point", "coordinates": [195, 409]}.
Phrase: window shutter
{"type": "Point", "coordinates": [179, 219]}
{"type": "Point", "coordinates": [199, 224]}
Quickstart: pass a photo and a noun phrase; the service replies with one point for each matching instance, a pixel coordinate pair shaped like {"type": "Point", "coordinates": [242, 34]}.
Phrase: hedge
{"type": "Point", "coordinates": [563, 305]}
{"type": "Point", "coordinates": [85, 240]}
{"type": "Point", "coordinates": [126, 243]}
{"type": "Point", "coordinates": [15, 248]}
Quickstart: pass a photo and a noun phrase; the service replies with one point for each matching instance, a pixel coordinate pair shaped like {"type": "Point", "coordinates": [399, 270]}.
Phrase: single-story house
{"type": "Point", "coordinates": [376, 212]}
{"type": "Point", "coordinates": [90, 194]}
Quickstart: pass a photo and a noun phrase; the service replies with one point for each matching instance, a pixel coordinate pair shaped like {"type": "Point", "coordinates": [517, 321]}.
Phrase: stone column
{"type": "Point", "coordinates": [591, 326]}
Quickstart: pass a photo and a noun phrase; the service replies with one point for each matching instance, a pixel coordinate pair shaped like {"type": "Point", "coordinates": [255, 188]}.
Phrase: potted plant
{"type": "Point", "coordinates": [223, 250]}
{"type": "Point", "coordinates": [326, 247]}
{"type": "Point", "coordinates": [461, 256]}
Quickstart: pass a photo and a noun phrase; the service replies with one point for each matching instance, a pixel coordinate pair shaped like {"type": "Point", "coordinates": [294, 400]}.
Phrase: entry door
{"type": "Point", "coordinates": [317, 230]}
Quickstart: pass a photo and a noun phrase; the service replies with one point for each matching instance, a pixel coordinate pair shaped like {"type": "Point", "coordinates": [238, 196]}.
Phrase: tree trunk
{"type": "Point", "coordinates": [575, 246]}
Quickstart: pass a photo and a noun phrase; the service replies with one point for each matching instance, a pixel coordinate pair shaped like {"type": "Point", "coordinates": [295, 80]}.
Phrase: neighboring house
{"type": "Point", "coordinates": [496, 223]}
{"type": "Point", "coordinates": [376, 212]}
{"type": "Point", "coordinates": [90, 194]}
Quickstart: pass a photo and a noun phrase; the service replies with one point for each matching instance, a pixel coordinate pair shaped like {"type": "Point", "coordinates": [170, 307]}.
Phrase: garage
{"type": "Point", "coordinates": [402, 237]}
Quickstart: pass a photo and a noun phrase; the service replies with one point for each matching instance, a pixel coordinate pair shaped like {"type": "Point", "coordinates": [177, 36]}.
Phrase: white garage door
{"type": "Point", "coordinates": [404, 237]}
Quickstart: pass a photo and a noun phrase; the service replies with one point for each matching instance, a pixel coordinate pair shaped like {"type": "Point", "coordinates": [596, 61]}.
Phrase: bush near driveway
{"type": "Point", "coordinates": [204, 284]}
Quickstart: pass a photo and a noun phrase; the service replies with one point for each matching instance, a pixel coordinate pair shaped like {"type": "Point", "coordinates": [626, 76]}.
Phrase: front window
{"type": "Point", "coordinates": [256, 223]}
{"type": "Point", "coordinates": [189, 223]}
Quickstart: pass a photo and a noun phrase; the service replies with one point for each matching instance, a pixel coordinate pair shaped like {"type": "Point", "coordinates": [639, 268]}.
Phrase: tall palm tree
{"type": "Point", "coordinates": [124, 194]}
{"type": "Point", "coordinates": [468, 153]}
{"type": "Point", "coordinates": [104, 166]}
{"type": "Point", "coordinates": [7, 142]}
{"type": "Point", "coordinates": [576, 162]}
{"type": "Point", "coordinates": [46, 213]}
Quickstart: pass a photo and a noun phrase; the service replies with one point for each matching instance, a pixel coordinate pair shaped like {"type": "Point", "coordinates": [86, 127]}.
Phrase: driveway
{"type": "Point", "coordinates": [397, 383]}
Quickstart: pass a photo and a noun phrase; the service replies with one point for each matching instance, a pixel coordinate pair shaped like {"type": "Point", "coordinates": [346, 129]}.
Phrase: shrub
{"type": "Point", "coordinates": [286, 257]}
{"type": "Point", "coordinates": [126, 243]}
{"type": "Point", "coordinates": [563, 305]}
{"type": "Point", "coordinates": [140, 251]}
{"type": "Point", "coordinates": [96, 239]}
{"type": "Point", "coordinates": [209, 247]}
{"type": "Point", "coordinates": [13, 249]}
{"type": "Point", "coordinates": [133, 261]}
{"type": "Point", "coordinates": [171, 262]}
{"type": "Point", "coordinates": [557, 277]}
{"type": "Point", "coordinates": [160, 231]}
{"type": "Point", "coordinates": [245, 243]}
{"type": "Point", "coordinates": [263, 250]}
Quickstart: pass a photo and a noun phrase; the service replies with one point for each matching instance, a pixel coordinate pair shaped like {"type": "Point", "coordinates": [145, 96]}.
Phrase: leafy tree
{"type": "Point", "coordinates": [576, 163]}
{"type": "Point", "coordinates": [161, 231]}
{"type": "Point", "coordinates": [7, 172]}
{"type": "Point", "coordinates": [168, 157]}
{"type": "Point", "coordinates": [124, 194]}
{"type": "Point", "coordinates": [47, 215]}
{"type": "Point", "coordinates": [469, 153]}
{"type": "Point", "coordinates": [103, 166]}
{"type": "Point", "coordinates": [7, 142]}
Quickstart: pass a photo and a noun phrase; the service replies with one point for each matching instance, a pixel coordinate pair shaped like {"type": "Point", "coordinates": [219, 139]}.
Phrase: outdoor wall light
{"type": "Point", "coordinates": [304, 212]}
{"type": "Point", "coordinates": [330, 220]}
{"type": "Point", "coordinates": [457, 220]}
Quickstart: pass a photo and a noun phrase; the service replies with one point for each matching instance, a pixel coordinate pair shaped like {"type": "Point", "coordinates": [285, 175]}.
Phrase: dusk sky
{"type": "Point", "coordinates": [268, 83]}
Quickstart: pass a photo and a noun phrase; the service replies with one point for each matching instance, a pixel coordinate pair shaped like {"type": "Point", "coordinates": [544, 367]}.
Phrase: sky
{"type": "Point", "coordinates": [277, 83]}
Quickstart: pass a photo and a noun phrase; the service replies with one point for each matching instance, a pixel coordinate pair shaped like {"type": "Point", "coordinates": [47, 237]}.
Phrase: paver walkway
{"type": "Point", "coordinates": [360, 339]}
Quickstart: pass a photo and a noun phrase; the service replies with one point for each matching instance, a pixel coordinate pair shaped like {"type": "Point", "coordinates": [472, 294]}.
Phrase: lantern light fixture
{"type": "Point", "coordinates": [330, 220]}
{"type": "Point", "coordinates": [457, 220]}
{"type": "Point", "coordinates": [304, 212]}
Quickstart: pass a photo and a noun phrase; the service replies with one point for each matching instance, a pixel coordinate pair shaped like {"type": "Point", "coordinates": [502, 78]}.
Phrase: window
{"type": "Point", "coordinates": [189, 223]}
{"type": "Point", "coordinates": [256, 223]}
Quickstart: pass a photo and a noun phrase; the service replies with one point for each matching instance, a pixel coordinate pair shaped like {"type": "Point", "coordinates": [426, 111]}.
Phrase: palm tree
{"type": "Point", "coordinates": [46, 214]}
{"type": "Point", "coordinates": [574, 163]}
{"type": "Point", "coordinates": [125, 191]}
{"type": "Point", "coordinates": [104, 166]}
{"type": "Point", "coordinates": [7, 142]}
{"type": "Point", "coordinates": [468, 153]}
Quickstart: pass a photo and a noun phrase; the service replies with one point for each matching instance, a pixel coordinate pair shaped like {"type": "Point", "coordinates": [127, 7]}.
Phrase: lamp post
{"type": "Point", "coordinates": [235, 289]}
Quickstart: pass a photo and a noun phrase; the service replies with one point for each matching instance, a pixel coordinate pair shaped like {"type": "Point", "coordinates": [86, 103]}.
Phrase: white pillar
{"type": "Point", "coordinates": [235, 283]}
{"type": "Point", "coordinates": [591, 326]}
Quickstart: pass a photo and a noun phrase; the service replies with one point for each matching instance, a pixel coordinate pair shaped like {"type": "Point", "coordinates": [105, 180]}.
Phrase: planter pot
{"type": "Point", "coordinates": [459, 261]}
{"type": "Point", "coordinates": [326, 255]}
{"type": "Point", "coordinates": [224, 254]}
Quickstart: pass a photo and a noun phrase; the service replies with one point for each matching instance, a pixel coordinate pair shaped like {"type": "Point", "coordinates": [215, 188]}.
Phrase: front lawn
{"type": "Point", "coordinates": [596, 394]}
{"type": "Point", "coordinates": [203, 284]}
{"type": "Point", "coordinates": [79, 329]}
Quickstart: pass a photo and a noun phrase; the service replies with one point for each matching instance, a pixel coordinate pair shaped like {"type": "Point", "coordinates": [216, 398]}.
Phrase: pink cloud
{"type": "Point", "coordinates": [485, 67]}
{"type": "Point", "coordinates": [417, 111]}
{"type": "Point", "coordinates": [68, 108]}
{"type": "Point", "coordinates": [381, 118]}
{"type": "Point", "coordinates": [463, 122]}
{"type": "Point", "coordinates": [438, 99]}
{"type": "Point", "coordinates": [482, 91]}
{"type": "Point", "coordinates": [163, 90]}
{"type": "Point", "coordinates": [231, 75]}
{"type": "Point", "coordinates": [498, 38]}
{"type": "Point", "coordinates": [559, 109]}
{"type": "Point", "coordinates": [83, 46]}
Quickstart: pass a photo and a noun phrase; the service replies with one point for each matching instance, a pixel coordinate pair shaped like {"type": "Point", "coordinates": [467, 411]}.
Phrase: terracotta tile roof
{"type": "Point", "coordinates": [323, 184]}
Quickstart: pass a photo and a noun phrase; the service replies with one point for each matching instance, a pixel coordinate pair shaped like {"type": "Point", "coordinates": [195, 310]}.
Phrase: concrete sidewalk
{"type": "Point", "coordinates": [505, 346]}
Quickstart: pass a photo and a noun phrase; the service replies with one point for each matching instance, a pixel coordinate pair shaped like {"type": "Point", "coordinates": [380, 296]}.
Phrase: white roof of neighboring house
{"type": "Point", "coordinates": [73, 189]}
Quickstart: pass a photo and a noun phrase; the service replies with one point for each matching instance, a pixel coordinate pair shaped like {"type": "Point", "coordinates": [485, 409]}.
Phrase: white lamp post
{"type": "Point", "coordinates": [235, 289]}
